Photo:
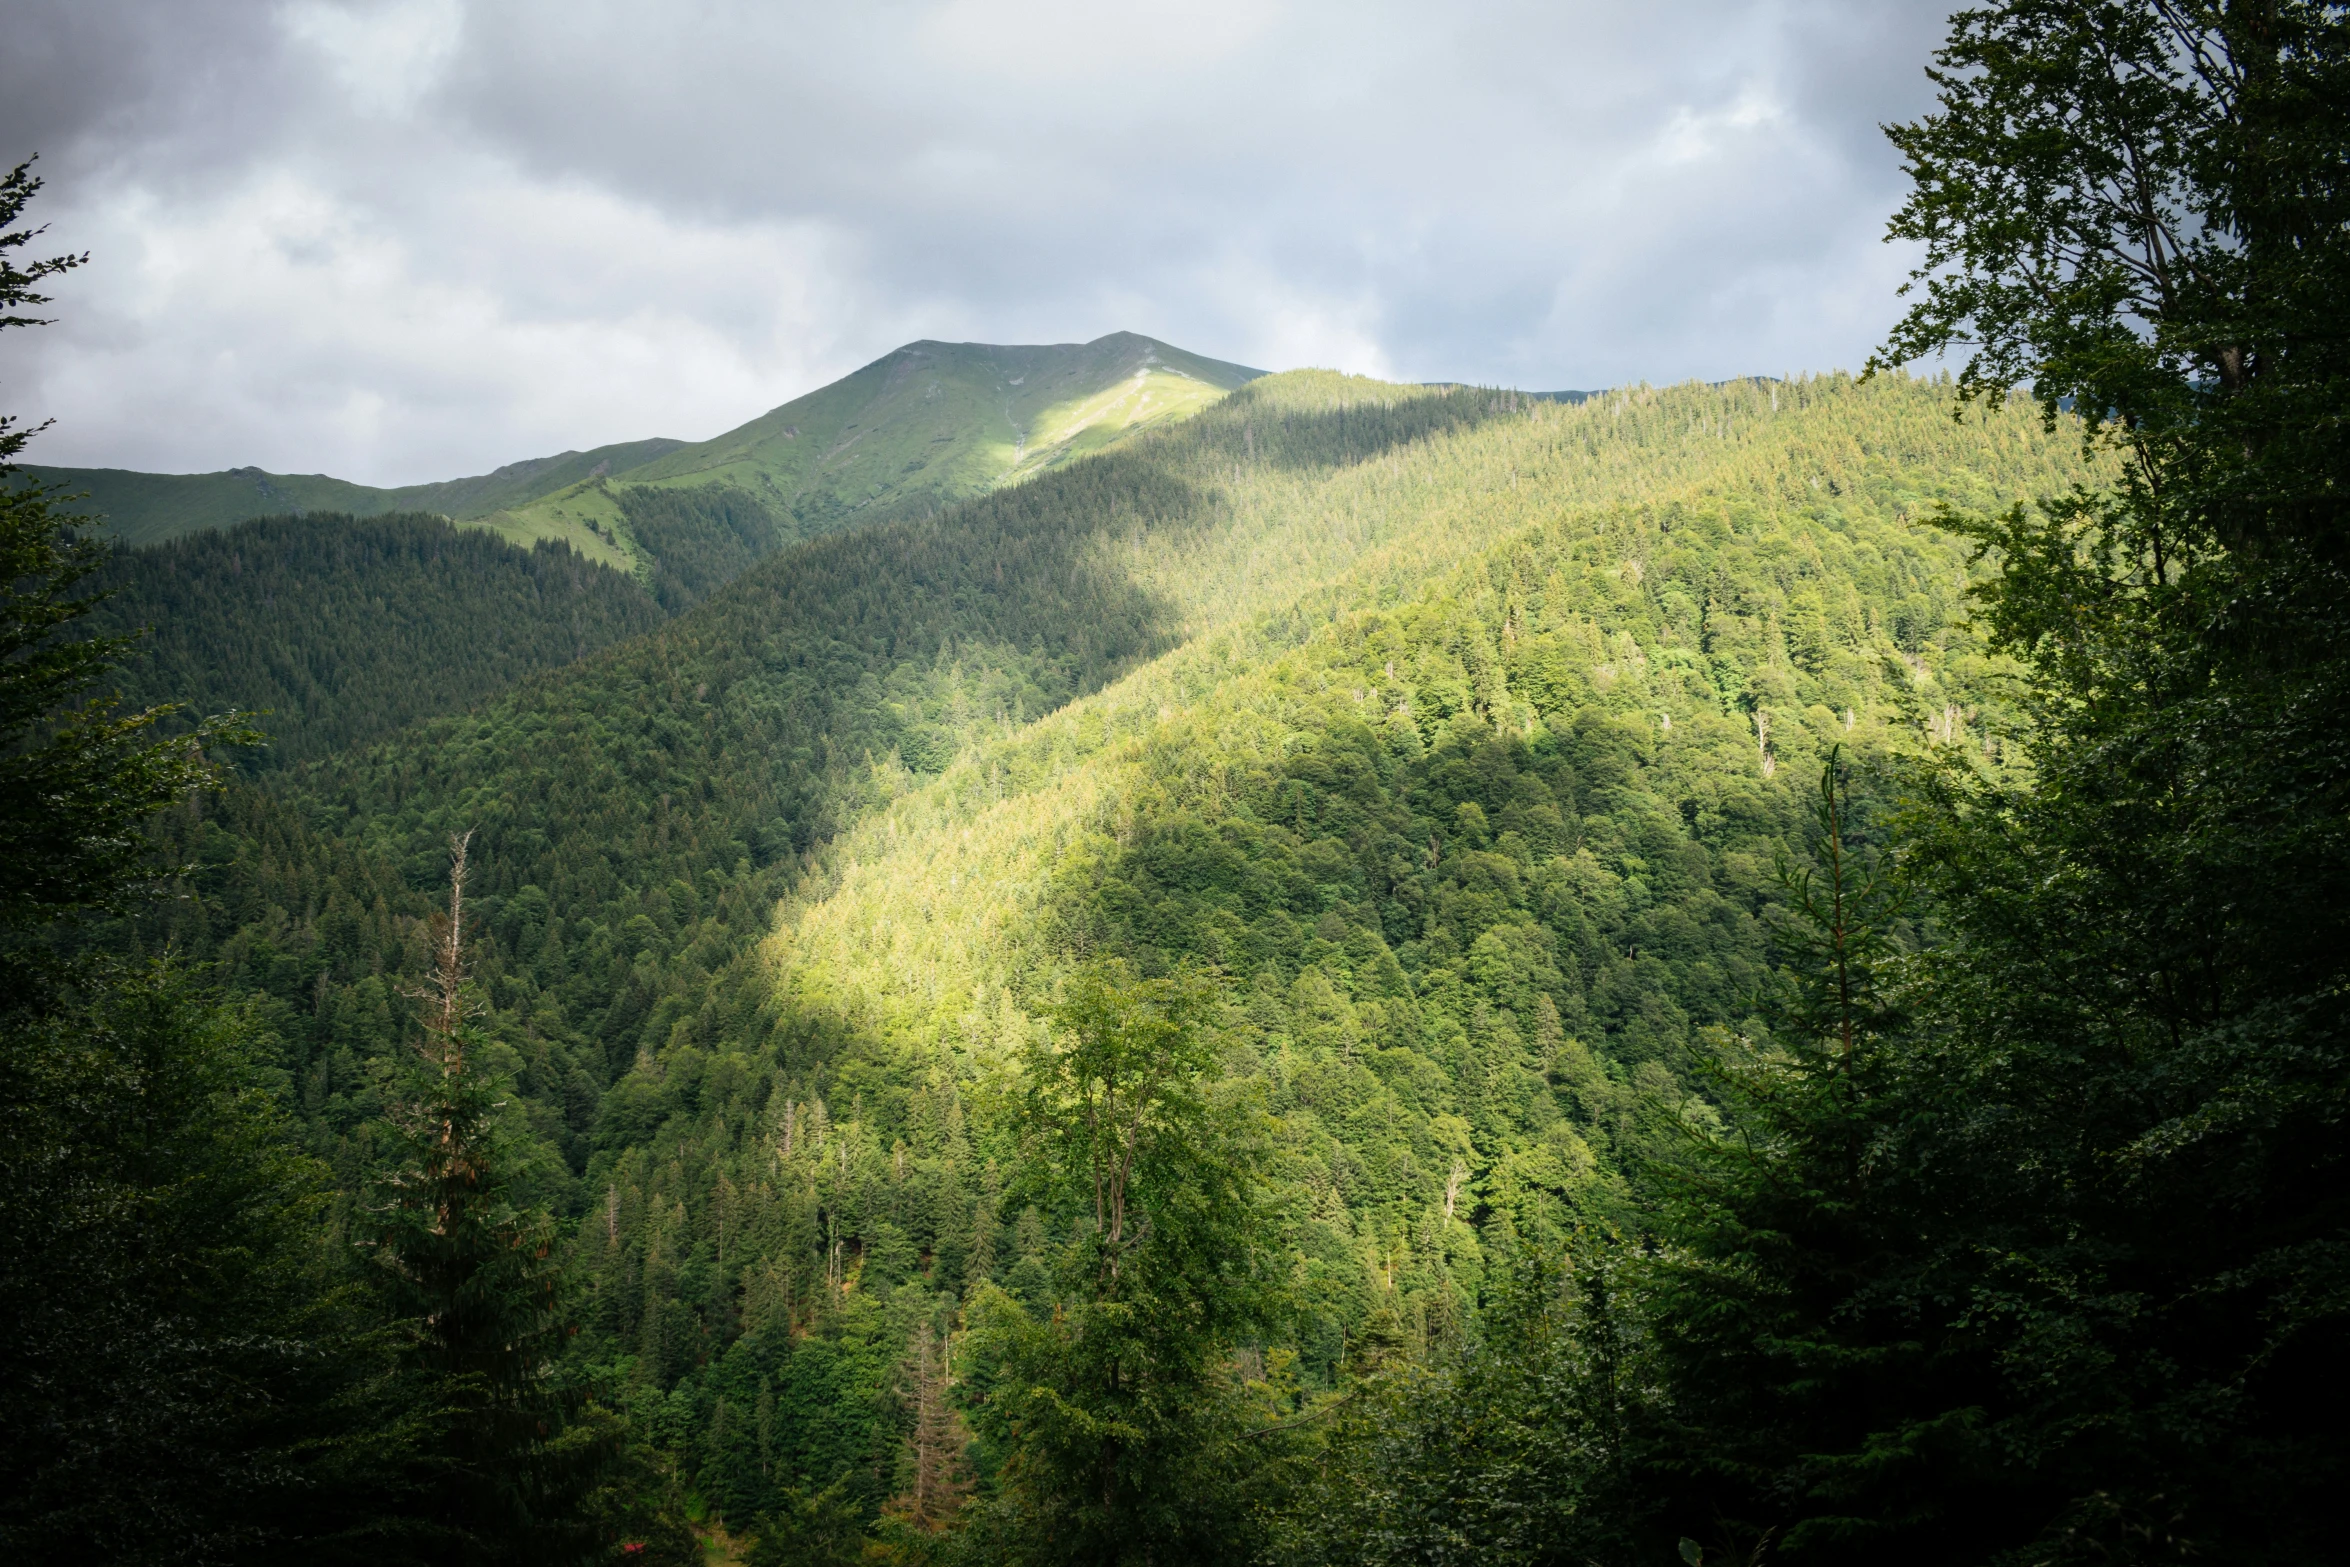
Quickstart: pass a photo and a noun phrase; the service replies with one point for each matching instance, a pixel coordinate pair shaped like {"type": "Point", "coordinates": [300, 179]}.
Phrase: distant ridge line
{"type": "Point", "coordinates": [1539, 397]}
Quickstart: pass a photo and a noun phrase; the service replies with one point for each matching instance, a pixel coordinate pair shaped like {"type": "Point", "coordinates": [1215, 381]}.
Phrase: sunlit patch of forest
{"type": "Point", "coordinates": [1455, 731]}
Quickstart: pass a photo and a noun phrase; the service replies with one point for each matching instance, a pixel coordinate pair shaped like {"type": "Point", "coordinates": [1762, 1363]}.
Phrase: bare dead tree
{"type": "Point", "coordinates": [444, 994]}
{"type": "Point", "coordinates": [939, 1480]}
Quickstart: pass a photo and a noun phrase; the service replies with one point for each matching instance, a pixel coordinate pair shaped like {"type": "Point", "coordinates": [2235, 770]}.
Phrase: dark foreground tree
{"type": "Point", "coordinates": [2143, 1003]}
{"type": "Point", "coordinates": [77, 778]}
{"type": "Point", "coordinates": [1509, 1447]}
{"type": "Point", "coordinates": [507, 1470]}
{"type": "Point", "coordinates": [1804, 1296]}
{"type": "Point", "coordinates": [190, 1376]}
{"type": "Point", "coordinates": [187, 1375]}
{"type": "Point", "coordinates": [2067, 1277]}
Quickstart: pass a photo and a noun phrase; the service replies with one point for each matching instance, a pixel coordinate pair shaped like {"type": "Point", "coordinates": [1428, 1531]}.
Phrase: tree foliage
{"type": "Point", "coordinates": [335, 631]}
{"type": "Point", "coordinates": [188, 1377]}
{"type": "Point", "coordinates": [1402, 770]}
{"type": "Point", "coordinates": [475, 1277]}
{"type": "Point", "coordinates": [2083, 1301]}
{"type": "Point", "coordinates": [1112, 1407]}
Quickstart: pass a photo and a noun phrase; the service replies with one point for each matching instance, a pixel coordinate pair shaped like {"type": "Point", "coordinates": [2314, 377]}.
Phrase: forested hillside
{"type": "Point", "coordinates": [1344, 974]}
{"type": "Point", "coordinates": [1456, 730]}
{"type": "Point", "coordinates": [341, 628]}
{"type": "Point", "coordinates": [336, 630]}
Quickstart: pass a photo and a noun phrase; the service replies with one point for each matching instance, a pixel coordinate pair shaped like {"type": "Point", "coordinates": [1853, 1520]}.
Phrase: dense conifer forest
{"type": "Point", "coordinates": [1410, 949]}
{"type": "Point", "coordinates": [338, 630]}
{"type": "Point", "coordinates": [1369, 974]}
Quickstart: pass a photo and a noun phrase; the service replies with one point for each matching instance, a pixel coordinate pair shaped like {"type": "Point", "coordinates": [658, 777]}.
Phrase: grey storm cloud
{"type": "Point", "coordinates": [403, 239]}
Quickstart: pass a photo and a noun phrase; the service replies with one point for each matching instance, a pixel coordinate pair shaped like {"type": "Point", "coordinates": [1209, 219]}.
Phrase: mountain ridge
{"type": "Point", "coordinates": [930, 422]}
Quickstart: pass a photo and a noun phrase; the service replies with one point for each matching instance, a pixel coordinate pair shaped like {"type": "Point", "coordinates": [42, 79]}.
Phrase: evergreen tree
{"type": "Point", "coordinates": [475, 1276]}
{"type": "Point", "coordinates": [938, 1476]}
{"type": "Point", "coordinates": [190, 1376]}
{"type": "Point", "coordinates": [77, 779]}
{"type": "Point", "coordinates": [1510, 1446]}
{"type": "Point", "coordinates": [1112, 1410]}
{"type": "Point", "coordinates": [1822, 1388]}
{"type": "Point", "coordinates": [187, 1376]}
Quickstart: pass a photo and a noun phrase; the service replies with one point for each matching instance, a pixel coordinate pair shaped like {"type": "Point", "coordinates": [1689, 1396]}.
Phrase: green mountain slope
{"type": "Point", "coordinates": [1430, 716]}
{"type": "Point", "coordinates": [147, 508]}
{"type": "Point", "coordinates": [953, 419]}
{"type": "Point", "coordinates": [343, 640]}
{"type": "Point", "coordinates": [929, 424]}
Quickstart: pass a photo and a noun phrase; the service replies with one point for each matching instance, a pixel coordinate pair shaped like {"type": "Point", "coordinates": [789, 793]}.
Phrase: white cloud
{"type": "Point", "coordinates": [385, 55]}
{"type": "Point", "coordinates": [326, 338]}
{"type": "Point", "coordinates": [405, 239]}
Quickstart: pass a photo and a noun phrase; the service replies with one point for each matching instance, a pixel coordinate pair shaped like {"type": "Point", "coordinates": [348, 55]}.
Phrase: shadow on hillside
{"type": "Point", "coordinates": [1328, 422]}
{"type": "Point", "coordinates": [863, 643]}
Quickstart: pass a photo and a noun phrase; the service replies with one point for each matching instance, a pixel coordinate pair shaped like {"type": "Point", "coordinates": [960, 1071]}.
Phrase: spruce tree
{"type": "Point", "coordinates": [471, 1271]}
{"type": "Point", "coordinates": [1819, 1386]}
{"type": "Point", "coordinates": [1111, 1409]}
{"type": "Point", "coordinates": [937, 1476]}
{"type": "Point", "coordinates": [78, 780]}
{"type": "Point", "coordinates": [186, 1376]}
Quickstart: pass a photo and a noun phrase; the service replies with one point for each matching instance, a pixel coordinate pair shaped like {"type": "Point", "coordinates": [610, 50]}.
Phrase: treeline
{"type": "Point", "coordinates": [756, 1321]}
{"type": "Point", "coordinates": [636, 816]}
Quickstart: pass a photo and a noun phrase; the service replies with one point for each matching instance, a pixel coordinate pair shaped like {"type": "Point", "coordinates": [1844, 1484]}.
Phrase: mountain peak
{"type": "Point", "coordinates": [948, 420]}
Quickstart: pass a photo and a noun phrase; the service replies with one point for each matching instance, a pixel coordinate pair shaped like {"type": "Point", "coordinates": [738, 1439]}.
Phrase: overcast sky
{"type": "Point", "coordinates": [400, 240]}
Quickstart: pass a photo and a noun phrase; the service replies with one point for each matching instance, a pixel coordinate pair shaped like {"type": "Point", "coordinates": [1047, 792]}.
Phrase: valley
{"type": "Point", "coordinates": [1455, 731]}
{"type": "Point", "coordinates": [1081, 955]}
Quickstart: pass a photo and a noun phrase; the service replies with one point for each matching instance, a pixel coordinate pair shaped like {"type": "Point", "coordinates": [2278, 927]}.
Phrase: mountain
{"type": "Point", "coordinates": [931, 423]}
{"type": "Point", "coordinates": [368, 611]}
{"type": "Point", "coordinates": [1457, 731]}
{"type": "Point", "coordinates": [147, 508]}
{"type": "Point", "coordinates": [928, 424]}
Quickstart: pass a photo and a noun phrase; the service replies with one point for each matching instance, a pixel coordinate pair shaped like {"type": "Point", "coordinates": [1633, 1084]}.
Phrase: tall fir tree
{"type": "Point", "coordinates": [473, 1273]}
{"type": "Point", "coordinates": [188, 1376]}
